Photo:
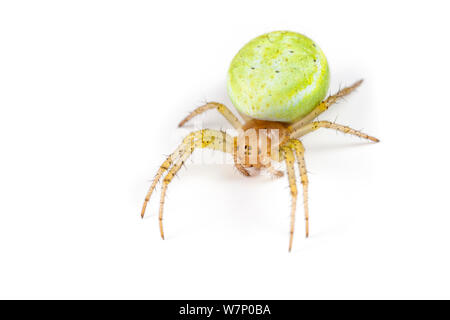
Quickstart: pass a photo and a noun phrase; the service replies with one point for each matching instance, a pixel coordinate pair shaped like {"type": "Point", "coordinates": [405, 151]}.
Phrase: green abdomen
{"type": "Point", "coordinates": [279, 76]}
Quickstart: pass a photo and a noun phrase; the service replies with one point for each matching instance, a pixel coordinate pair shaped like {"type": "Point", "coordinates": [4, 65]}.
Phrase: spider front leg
{"type": "Point", "coordinates": [164, 167]}
{"type": "Point", "coordinates": [214, 105]}
{"type": "Point", "coordinates": [299, 152]}
{"type": "Point", "coordinates": [168, 178]}
{"type": "Point", "coordinates": [310, 127]}
{"type": "Point", "coordinates": [289, 159]}
{"type": "Point", "coordinates": [213, 139]}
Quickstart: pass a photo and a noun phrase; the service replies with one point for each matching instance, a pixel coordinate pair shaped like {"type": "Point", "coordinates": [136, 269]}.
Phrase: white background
{"type": "Point", "coordinates": [90, 96]}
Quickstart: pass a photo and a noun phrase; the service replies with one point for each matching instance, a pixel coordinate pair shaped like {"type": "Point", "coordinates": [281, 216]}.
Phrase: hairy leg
{"type": "Point", "coordinates": [299, 152]}
{"type": "Point", "coordinates": [214, 105]}
{"type": "Point", "coordinates": [220, 141]}
{"type": "Point", "coordinates": [188, 151]}
{"type": "Point", "coordinates": [166, 166]}
{"type": "Point", "coordinates": [289, 159]}
{"type": "Point", "coordinates": [212, 139]}
{"type": "Point", "coordinates": [324, 105]}
{"type": "Point", "coordinates": [300, 132]}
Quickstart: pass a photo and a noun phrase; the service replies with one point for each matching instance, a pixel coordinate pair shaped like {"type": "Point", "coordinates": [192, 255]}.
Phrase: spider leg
{"type": "Point", "coordinates": [166, 182]}
{"type": "Point", "coordinates": [179, 151]}
{"type": "Point", "coordinates": [300, 132]}
{"type": "Point", "coordinates": [289, 159]}
{"type": "Point", "coordinates": [300, 151]}
{"type": "Point", "coordinates": [213, 139]}
{"type": "Point", "coordinates": [214, 105]}
{"type": "Point", "coordinates": [324, 105]}
{"type": "Point", "coordinates": [164, 167]}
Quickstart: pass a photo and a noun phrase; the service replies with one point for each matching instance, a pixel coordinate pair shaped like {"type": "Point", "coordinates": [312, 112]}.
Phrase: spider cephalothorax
{"type": "Point", "coordinates": [278, 83]}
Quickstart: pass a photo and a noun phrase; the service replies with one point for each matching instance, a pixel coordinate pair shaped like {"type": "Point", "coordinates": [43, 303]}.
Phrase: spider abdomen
{"type": "Point", "coordinates": [279, 76]}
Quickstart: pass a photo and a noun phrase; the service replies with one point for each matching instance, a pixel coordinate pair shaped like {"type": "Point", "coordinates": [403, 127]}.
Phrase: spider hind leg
{"type": "Point", "coordinates": [325, 104]}
{"type": "Point", "coordinates": [300, 132]}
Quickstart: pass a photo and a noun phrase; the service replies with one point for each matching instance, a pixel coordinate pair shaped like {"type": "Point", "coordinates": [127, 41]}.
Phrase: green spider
{"type": "Point", "coordinates": [277, 82]}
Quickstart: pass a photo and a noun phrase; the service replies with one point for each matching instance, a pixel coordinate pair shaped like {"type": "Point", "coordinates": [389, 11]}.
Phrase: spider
{"type": "Point", "coordinates": [278, 83]}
